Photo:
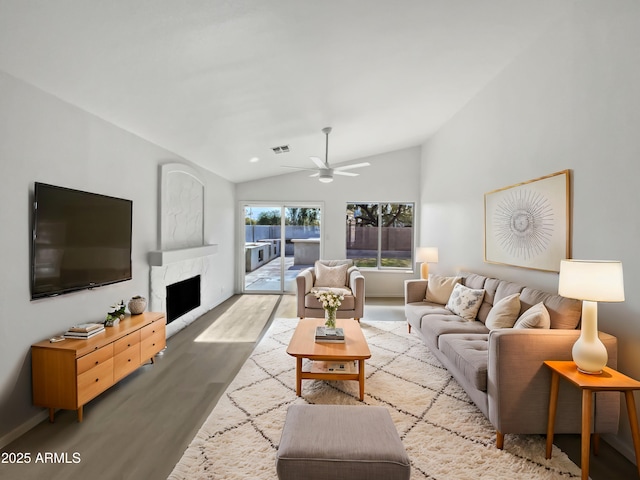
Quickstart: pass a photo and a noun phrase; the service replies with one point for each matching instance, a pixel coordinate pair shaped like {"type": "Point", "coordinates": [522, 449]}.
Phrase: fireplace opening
{"type": "Point", "coordinates": [182, 297]}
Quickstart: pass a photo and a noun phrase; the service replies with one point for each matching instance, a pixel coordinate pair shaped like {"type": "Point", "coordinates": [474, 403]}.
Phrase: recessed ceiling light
{"type": "Point", "coordinates": [254, 160]}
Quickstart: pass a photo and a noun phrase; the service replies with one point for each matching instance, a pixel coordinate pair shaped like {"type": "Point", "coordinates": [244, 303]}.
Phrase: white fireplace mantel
{"type": "Point", "coordinates": [161, 258]}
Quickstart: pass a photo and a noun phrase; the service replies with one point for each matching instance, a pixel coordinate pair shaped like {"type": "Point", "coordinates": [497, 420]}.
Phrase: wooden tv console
{"type": "Point", "coordinates": [70, 373]}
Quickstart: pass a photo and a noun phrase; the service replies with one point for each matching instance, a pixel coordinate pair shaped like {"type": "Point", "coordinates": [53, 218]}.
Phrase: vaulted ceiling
{"type": "Point", "coordinates": [219, 82]}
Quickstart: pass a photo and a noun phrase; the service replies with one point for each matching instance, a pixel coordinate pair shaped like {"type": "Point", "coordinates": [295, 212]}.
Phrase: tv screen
{"type": "Point", "coordinates": [80, 240]}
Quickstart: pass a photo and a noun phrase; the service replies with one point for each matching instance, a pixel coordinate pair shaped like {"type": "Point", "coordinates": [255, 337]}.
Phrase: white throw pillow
{"type": "Point", "coordinates": [504, 313]}
{"type": "Point", "coordinates": [331, 276]}
{"type": "Point", "coordinates": [536, 317]}
{"type": "Point", "coordinates": [465, 301]}
{"type": "Point", "coordinates": [439, 288]}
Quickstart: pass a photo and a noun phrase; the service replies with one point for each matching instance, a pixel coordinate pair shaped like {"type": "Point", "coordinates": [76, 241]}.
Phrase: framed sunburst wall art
{"type": "Point", "coordinates": [528, 225]}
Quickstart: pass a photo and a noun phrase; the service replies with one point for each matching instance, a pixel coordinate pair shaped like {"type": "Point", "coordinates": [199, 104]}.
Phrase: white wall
{"type": "Point", "coordinates": [571, 101]}
{"type": "Point", "coordinates": [44, 139]}
{"type": "Point", "coordinates": [392, 177]}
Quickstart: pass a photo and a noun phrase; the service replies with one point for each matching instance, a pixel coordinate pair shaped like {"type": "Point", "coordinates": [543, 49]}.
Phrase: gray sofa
{"type": "Point", "coordinates": [502, 369]}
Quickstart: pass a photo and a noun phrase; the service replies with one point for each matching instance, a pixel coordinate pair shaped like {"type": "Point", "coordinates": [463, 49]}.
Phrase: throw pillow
{"type": "Point", "coordinates": [331, 276]}
{"type": "Point", "coordinates": [465, 301]}
{"type": "Point", "coordinates": [504, 313]}
{"type": "Point", "coordinates": [536, 317]}
{"type": "Point", "coordinates": [439, 288]}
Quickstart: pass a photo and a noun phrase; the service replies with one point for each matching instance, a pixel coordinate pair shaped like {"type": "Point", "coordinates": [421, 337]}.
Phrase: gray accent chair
{"type": "Point", "coordinates": [353, 289]}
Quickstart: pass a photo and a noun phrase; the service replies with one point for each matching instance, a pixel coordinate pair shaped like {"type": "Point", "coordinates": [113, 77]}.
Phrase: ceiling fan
{"type": "Point", "coordinates": [324, 171]}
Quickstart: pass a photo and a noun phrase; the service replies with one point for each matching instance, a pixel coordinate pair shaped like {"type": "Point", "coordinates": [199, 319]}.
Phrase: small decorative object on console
{"type": "Point", "coordinates": [137, 304]}
{"type": "Point", "coordinates": [330, 302]}
{"type": "Point", "coordinates": [115, 314]}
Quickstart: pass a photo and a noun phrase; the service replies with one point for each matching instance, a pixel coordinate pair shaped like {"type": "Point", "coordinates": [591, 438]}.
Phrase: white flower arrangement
{"type": "Point", "coordinates": [329, 300]}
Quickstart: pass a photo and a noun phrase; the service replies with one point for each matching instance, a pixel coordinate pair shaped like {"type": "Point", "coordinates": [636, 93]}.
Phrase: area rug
{"type": "Point", "coordinates": [445, 435]}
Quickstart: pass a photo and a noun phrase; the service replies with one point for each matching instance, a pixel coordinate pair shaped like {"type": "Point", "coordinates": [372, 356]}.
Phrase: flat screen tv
{"type": "Point", "coordinates": [80, 240]}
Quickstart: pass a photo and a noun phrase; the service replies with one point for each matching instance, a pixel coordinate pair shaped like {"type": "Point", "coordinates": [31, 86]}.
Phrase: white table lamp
{"type": "Point", "coordinates": [426, 255]}
{"type": "Point", "coordinates": [591, 281]}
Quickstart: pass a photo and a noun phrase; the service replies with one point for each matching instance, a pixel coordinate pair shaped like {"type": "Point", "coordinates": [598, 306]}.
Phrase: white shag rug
{"type": "Point", "coordinates": [445, 434]}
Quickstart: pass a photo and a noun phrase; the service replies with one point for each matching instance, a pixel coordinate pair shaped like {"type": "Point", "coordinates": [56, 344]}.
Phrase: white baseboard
{"type": "Point", "coordinates": [24, 428]}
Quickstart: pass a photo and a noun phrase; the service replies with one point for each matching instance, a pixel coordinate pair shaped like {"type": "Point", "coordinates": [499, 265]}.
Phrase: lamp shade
{"type": "Point", "coordinates": [427, 255]}
{"type": "Point", "coordinates": [593, 280]}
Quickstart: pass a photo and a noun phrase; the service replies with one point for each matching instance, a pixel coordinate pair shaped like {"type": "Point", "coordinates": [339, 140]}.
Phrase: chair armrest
{"type": "Point", "coordinates": [415, 290]}
{"type": "Point", "coordinates": [356, 284]}
{"type": "Point", "coordinates": [304, 283]}
{"type": "Point", "coordinates": [518, 383]}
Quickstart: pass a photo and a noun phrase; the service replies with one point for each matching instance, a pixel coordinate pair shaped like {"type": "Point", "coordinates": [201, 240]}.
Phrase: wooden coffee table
{"type": "Point", "coordinates": [303, 345]}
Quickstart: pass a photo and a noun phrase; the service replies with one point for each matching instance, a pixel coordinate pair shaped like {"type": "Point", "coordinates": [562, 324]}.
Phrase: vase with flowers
{"type": "Point", "coordinates": [330, 302]}
{"type": "Point", "coordinates": [115, 314]}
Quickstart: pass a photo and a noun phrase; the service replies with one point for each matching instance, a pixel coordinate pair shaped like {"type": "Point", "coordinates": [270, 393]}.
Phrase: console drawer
{"type": "Point", "coordinates": [95, 381]}
{"type": "Point", "coordinates": [153, 340]}
{"type": "Point", "coordinates": [93, 359]}
{"type": "Point", "coordinates": [130, 341]}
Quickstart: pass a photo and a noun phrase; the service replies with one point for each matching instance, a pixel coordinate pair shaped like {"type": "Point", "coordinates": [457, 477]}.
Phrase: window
{"type": "Point", "coordinates": [380, 235]}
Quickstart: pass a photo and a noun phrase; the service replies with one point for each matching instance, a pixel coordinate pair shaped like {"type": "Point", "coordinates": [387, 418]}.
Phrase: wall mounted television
{"type": "Point", "coordinates": [80, 240]}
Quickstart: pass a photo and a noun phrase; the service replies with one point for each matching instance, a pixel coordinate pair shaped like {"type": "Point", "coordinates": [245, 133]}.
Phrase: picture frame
{"type": "Point", "coordinates": [528, 224]}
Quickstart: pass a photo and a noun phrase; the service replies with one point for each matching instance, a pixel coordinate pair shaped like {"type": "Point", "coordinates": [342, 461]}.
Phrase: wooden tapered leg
{"type": "Point", "coordinates": [298, 376]}
{"type": "Point", "coordinates": [633, 423]}
{"type": "Point", "coordinates": [80, 414]}
{"type": "Point", "coordinates": [587, 401]}
{"type": "Point", "coordinates": [409, 327]}
{"type": "Point", "coordinates": [361, 378]}
{"type": "Point", "coordinates": [52, 414]}
{"type": "Point", "coordinates": [499, 440]}
{"type": "Point", "coordinates": [553, 406]}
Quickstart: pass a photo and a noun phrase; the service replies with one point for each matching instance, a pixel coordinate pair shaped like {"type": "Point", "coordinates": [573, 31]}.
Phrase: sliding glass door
{"type": "Point", "coordinates": [280, 240]}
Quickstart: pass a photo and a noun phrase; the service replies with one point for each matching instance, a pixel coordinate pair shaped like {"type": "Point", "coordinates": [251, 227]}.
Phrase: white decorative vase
{"type": "Point", "coordinates": [137, 305]}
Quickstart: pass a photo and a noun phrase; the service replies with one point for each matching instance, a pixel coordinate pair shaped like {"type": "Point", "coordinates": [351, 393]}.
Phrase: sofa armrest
{"type": "Point", "coordinates": [415, 290]}
{"type": "Point", "coordinates": [356, 284]}
{"type": "Point", "coordinates": [304, 283]}
{"type": "Point", "coordinates": [518, 383]}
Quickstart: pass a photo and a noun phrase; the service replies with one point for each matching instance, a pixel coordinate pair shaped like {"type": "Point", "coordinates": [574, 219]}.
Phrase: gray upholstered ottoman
{"type": "Point", "coordinates": [322, 442]}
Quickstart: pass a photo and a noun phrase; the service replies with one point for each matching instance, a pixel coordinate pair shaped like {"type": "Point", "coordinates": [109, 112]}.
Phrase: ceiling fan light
{"type": "Point", "coordinates": [325, 178]}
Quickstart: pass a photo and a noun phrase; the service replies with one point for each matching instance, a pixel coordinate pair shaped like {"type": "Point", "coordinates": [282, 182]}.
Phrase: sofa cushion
{"type": "Point", "coordinates": [435, 325]}
{"type": "Point", "coordinates": [505, 289]}
{"type": "Point", "coordinates": [439, 288]}
{"type": "Point", "coordinates": [490, 287]}
{"type": "Point", "coordinates": [473, 280]}
{"type": "Point", "coordinates": [465, 301]}
{"type": "Point", "coordinates": [469, 353]}
{"type": "Point", "coordinates": [415, 311]}
{"type": "Point", "coordinates": [504, 313]}
{"type": "Point", "coordinates": [563, 312]}
{"type": "Point", "coordinates": [331, 276]}
{"type": "Point", "coordinates": [536, 317]}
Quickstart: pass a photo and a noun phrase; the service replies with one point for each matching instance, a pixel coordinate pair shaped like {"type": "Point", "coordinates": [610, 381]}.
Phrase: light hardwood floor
{"type": "Point", "coordinates": [140, 428]}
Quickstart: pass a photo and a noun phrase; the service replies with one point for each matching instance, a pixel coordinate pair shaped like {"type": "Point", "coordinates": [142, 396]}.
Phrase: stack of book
{"type": "Point", "coordinates": [329, 335]}
{"type": "Point", "coordinates": [84, 330]}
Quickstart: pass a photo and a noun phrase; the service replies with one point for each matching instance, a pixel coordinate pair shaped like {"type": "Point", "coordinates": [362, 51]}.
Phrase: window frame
{"type": "Point", "coordinates": [379, 227]}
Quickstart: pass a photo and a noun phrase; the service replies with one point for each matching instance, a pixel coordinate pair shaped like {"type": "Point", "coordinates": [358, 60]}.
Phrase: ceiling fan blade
{"type": "Point", "coordinates": [346, 174]}
{"type": "Point", "coordinates": [315, 174]}
{"type": "Point", "coordinates": [319, 162]}
{"type": "Point", "coordinates": [298, 168]}
{"type": "Point", "coordinates": [352, 166]}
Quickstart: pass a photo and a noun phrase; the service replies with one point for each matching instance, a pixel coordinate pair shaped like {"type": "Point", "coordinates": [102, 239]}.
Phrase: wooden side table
{"type": "Point", "coordinates": [608, 380]}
